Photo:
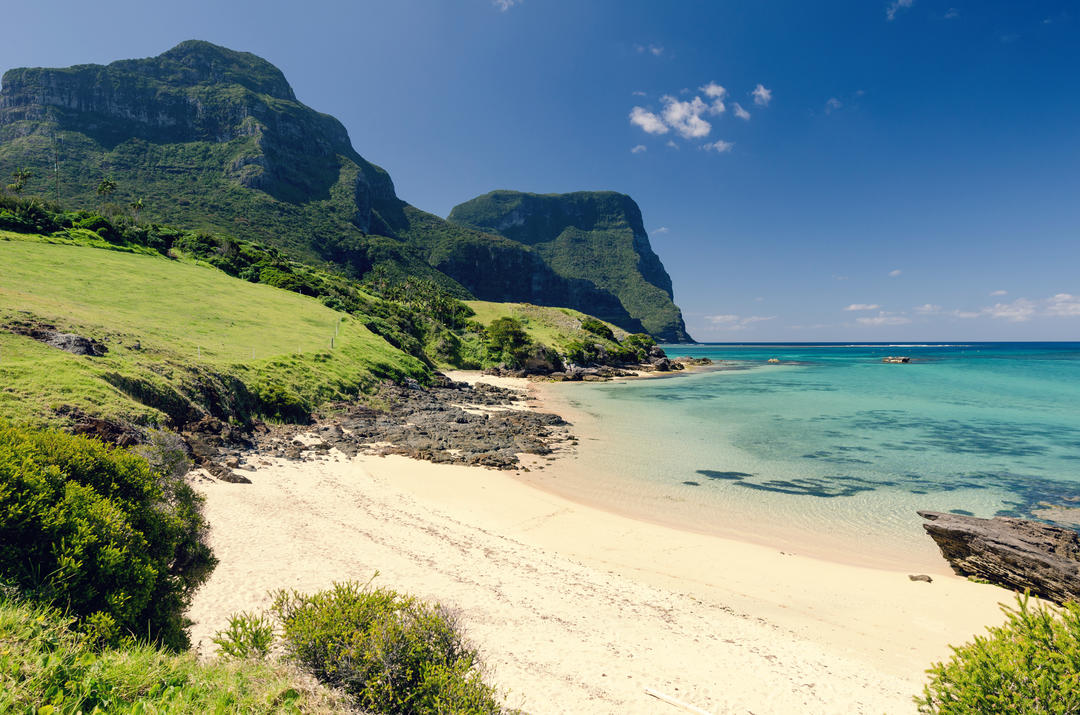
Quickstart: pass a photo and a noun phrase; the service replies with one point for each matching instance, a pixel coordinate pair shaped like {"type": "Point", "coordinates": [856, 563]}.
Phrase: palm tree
{"type": "Point", "coordinates": [136, 207]}
{"type": "Point", "coordinates": [19, 179]}
{"type": "Point", "coordinates": [105, 189]}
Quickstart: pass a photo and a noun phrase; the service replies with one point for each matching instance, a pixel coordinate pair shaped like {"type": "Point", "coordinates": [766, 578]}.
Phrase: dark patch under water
{"type": "Point", "coordinates": [713, 474]}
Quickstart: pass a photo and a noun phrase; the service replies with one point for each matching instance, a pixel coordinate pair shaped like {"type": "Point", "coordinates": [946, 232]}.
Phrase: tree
{"type": "Point", "coordinates": [106, 189]}
{"type": "Point", "coordinates": [19, 179]}
{"type": "Point", "coordinates": [136, 207]}
{"type": "Point", "coordinates": [507, 341]}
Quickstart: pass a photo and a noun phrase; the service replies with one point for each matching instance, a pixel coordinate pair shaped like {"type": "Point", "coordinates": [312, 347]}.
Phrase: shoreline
{"type": "Point", "coordinates": [578, 608]}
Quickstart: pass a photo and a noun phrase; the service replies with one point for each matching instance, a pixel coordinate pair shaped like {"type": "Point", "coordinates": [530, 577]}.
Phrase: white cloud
{"type": "Point", "coordinates": [927, 308]}
{"type": "Point", "coordinates": [1064, 304]}
{"type": "Point", "coordinates": [998, 292]}
{"type": "Point", "coordinates": [654, 50]}
{"type": "Point", "coordinates": [716, 93]}
{"type": "Point", "coordinates": [685, 117]}
{"type": "Point", "coordinates": [730, 321]}
{"type": "Point", "coordinates": [719, 146]}
{"type": "Point", "coordinates": [662, 229]}
{"type": "Point", "coordinates": [740, 112]}
{"type": "Point", "coordinates": [952, 13]}
{"type": "Point", "coordinates": [762, 96]}
{"type": "Point", "coordinates": [895, 273]}
{"type": "Point", "coordinates": [863, 306]}
{"type": "Point", "coordinates": [832, 105]}
{"type": "Point", "coordinates": [505, 5]}
{"type": "Point", "coordinates": [638, 93]}
{"type": "Point", "coordinates": [713, 91]}
{"type": "Point", "coordinates": [965, 314]}
{"type": "Point", "coordinates": [896, 6]}
{"type": "Point", "coordinates": [884, 318]}
{"type": "Point", "coordinates": [638, 149]}
{"type": "Point", "coordinates": [1019, 311]}
{"type": "Point", "coordinates": [651, 123]}
{"type": "Point", "coordinates": [671, 143]}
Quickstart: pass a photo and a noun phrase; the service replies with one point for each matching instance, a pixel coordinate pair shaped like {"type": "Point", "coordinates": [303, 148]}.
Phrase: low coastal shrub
{"type": "Point", "coordinates": [249, 635]}
{"type": "Point", "coordinates": [47, 666]}
{"type": "Point", "coordinates": [597, 327]}
{"type": "Point", "coordinates": [1030, 665]}
{"type": "Point", "coordinates": [391, 652]}
{"type": "Point", "coordinates": [95, 532]}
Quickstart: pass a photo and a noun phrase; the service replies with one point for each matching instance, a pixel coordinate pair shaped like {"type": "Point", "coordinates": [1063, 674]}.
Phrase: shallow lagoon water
{"type": "Point", "coordinates": [831, 451]}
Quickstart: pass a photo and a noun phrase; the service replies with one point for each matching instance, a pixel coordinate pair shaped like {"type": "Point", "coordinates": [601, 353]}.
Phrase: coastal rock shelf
{"type": "Point", "coordinates": [1015, 553]}
{"type": "Point", "coordinates": [480, 425]}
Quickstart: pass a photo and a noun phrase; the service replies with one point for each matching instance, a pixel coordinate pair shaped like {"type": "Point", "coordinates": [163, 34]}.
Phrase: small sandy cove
{"type": "Point", "coordinates": [578, 610]}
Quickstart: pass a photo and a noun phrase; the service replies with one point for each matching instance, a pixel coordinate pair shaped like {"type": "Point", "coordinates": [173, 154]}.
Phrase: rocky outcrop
{"type": "Point", "coordinates": [1015, 553]}
{"type": "Point", "coordinates": [593, 236]}
{"type": "Point", "coordinates": [48, 334]}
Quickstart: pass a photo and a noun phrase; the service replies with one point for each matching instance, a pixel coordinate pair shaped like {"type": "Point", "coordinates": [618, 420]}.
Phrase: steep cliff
{"type": "Point", "coordinates": [593, 236]}
{"type": "Point", "coordinates": [208, 137]}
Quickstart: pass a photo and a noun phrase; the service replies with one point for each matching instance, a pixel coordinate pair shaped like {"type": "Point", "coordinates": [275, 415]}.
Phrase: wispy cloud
{"type": "Point", "coordinates": [741, 113]}
{"type": "Point", "coordinates": [952, 13]}
{"type": "Point", "coordinates": [832, 105]}
{"type": "Point", "coordinates": [730, 321]}
{"type": "Point", "coordinates": [927, 309]}
{"type": "Point", "coordinates": [762, 96]}
{"type": "Point", "coordinates": [863, 306]}
{"type": "Point", "coordinates": [716, 93]}
{"type": "Point", "coordinates": [662, 229]}
{"type": "Point", "coordinates": [638, 93]}
{"type": "Point", "coordinates": [1063, 304]}
{"type": "Point", "coordinates": [654, 50]}
{"type": "Point", "coordinates": [719, 146]}
{"type": "Point", "coordinates": [884, 318]}
{"type": "Point", "coordinates": [1019, 311]}
{"type": "Point", "coordinates": [651, 123]}
{"type": "Point", "coordinates": [505, 5]}
{"type": "Point", "coordinates": [998, 292]}
{"type": "Point", "coordinates": [896, 6]}
{"type": "Point", "coordinates": [638, 149]}
{"type": "Point", "coordinates": [895, 273]}
{"type": "Point", "coordinates": [671, 143]}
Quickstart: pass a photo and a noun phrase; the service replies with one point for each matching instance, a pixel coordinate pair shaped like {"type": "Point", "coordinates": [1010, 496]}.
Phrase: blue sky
{"type": "Point", "coordinates": [908, 169]}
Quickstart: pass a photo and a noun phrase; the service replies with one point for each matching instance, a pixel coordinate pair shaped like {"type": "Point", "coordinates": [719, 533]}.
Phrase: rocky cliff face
{"type": "Point", "coordinates": [212, 138]}
{"type": "Point", "coordinates": [593, 236]}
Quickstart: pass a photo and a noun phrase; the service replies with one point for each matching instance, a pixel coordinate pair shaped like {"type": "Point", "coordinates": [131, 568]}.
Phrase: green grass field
{"type": "Point", "coordinates": [554, 327]}
{"type": "Point", "coordinates": [174, 330]}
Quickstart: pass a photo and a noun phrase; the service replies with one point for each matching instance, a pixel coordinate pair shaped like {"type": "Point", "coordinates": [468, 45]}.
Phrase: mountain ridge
{"type": "Point", "coordinates": [213, 138]}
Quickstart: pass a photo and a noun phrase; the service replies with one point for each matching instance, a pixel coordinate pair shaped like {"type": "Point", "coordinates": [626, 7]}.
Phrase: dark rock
{"type": "Point", "coordinates": [1015, 553]}
{"type": "Point", "coordinates": [116, 433]}
{"type": "Point", "coordinates": [920, 577]}
{"type": "Point", "coordinates": [48, 334]}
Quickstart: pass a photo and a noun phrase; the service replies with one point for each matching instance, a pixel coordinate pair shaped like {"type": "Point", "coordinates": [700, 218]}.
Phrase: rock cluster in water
{"type": "Point", "coordinates": [1015, 553]}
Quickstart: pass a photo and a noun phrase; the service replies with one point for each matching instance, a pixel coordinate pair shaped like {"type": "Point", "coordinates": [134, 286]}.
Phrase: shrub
{"type": "Point", "coordinates": [248, 636]}
{"type": "Point", "coordinates": [507, 341]}
{"type": "Point", "coordinates": [580, 352]}
{"type": "Point", "coordinates": [640, 343]}
{"type": "Point", "coordinates": [96, 532]}
{"type": "Point", "coordinates": [47, 667]}
{"type": "Point", "coordinates": [597, 327]}
{"type": "Point", "coordinates": [391, 652]}
{"type": "Point", "coordinates": [1031, 664]}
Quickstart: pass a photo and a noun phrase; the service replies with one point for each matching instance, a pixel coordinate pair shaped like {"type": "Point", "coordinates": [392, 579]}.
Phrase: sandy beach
{"type": "Point", "coordinates": [578, 610]}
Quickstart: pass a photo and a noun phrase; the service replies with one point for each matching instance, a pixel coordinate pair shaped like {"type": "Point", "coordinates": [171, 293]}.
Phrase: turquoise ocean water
{"type": "Point", "coordinates": [831, 451]}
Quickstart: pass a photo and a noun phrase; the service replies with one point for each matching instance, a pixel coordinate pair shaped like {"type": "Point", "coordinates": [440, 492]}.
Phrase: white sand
{"type": "Point", "coordinates": [579, 610]}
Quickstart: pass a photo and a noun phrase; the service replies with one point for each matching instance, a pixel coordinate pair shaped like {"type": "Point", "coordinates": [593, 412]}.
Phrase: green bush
{"type": "Point", "coordinates": [391, 652]}
{"type": "Point", "coordinates": [580, 352]}
{"type": "Point", "coordinates": [639, 343]}
{"type": "Point", "coordinates": [48, 667]}
{"type": "Point", "coordinates": [249, 635]}
{"type": "Point", "coordinates": [597, 327]}
{"type": "Point", "coordinates": [1029, 665]}
{"type": "Point", "coordinates": [507, 341]}
{"type": "Point", "coordinates": [95, 532]}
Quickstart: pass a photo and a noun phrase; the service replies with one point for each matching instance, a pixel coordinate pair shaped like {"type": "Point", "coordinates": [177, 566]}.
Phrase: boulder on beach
{"type": "Point", "coordinates": [1015, 553]}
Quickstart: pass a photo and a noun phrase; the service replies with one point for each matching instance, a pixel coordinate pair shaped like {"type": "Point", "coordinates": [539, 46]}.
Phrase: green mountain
{"type": "Point", "coordinates": [214, 139]}
{"type": "Point", "coordinates": [596, 236]}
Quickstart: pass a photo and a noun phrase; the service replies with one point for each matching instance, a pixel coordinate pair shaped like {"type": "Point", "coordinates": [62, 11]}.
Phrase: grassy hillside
{"type": "Point", "coordinates": [554, 327]}
{"type": "Point", "coordinates": [182, 340]}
